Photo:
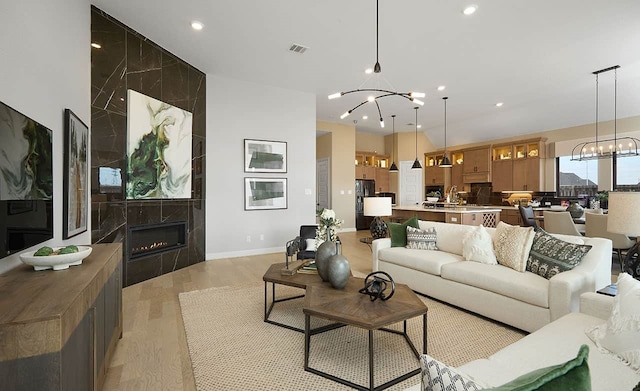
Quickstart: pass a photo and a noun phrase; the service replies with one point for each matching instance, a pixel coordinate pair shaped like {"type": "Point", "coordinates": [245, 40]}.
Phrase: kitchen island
{"type": "Point", "coordinates": [468, 215]}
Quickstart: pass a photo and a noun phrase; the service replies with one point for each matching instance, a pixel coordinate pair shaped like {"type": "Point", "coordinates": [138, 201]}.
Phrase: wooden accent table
{"type": "Point", "coordinates": [349, 307]}
{"type": "Point", "coordinates": [59, 329]}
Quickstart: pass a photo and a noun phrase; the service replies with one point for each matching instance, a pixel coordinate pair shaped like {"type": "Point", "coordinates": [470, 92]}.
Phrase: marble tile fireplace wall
{"type": "Point", "coordinates": [127, 60]}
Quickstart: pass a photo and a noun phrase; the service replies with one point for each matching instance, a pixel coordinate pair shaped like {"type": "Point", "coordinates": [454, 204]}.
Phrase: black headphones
{"type": "Point", "coordinates": [375, 286]}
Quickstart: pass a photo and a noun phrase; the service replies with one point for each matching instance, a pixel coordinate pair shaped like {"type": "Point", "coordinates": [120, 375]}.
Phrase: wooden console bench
{"type": "Point", "coordinates": [59, 329]}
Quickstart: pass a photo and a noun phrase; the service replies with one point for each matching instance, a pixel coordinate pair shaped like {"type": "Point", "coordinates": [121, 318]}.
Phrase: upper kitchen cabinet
{"type": "Point", "coordinates": [477, 165]}
{"type": "Point", "coordinates": [433, 173]}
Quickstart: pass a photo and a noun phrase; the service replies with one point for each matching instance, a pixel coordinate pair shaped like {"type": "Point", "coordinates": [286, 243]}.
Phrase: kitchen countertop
{"type": "Point", "coordinates": [450, 209]}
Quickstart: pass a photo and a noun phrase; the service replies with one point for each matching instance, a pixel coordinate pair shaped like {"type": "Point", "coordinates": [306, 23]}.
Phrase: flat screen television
{"type": "Point", "coordinates": [26, 182]}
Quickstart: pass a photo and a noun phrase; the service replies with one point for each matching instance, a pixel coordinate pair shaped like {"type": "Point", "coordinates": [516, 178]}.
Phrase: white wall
{"type": "Point", "coordinates": [45, 68]}
{"type": "Point", "coordinates": [237, 110]}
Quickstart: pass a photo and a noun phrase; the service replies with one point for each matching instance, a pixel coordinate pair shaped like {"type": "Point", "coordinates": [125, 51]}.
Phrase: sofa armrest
{"type": "Point", "coordinates": [377, 245]}
{"type": "Point", "coordinates": [593, 273]}
{"type": "Point", "coordinates": [596, 304]}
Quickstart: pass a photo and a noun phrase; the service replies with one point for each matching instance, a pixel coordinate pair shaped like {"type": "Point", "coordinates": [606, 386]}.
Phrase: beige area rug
{"type": "Point", "coordinates": [232, 348]}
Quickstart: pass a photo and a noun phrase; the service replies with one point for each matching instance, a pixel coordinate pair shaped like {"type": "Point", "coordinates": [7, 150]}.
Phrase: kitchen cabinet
{"type": "Point", "coordinates": [457, 170]}
{"type": "Point", "coordinates": [477, 167]}
{"type": "Point", "coordinates": [511, 216]}
{"type": "Point", "coordinates": [365, 172]}
{"type": "Point", "coordinates": [382, 179]}
{"type": "Point", "coordinates": [433, 173]}
{"type": "Point", "coordinates": [502, 175]}
{"type": "Point", "coordinates": [526, 174]}
{"type": "Point", "coordinates": [59, 329]}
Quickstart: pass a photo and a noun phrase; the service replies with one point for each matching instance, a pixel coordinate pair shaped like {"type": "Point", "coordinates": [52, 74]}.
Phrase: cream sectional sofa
{"type": "Point", "coordinates": [523, 300]}
{"type": "Point", "coordinates": [553, 344]}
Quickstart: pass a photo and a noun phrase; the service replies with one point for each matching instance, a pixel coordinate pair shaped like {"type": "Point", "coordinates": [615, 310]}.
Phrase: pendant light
{"type": "Point", "coordinates": [445, 159]}
{"type": "Point", "coordinates": [609, 148]}
{"type": "Point", "coordinates": [393, 167]}
{"type": "Point", "coordinates": [416, 163]}
{"type": "Point", "coordinates": [382, 92]}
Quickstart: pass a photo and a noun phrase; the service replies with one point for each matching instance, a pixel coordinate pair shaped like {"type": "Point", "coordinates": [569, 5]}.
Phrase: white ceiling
{"type": "Point", "coordinates": [535, 56]}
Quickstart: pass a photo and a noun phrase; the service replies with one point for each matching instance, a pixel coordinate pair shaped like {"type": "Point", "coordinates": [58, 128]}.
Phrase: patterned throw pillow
{"type": "Point", "coordinates": [550, 255]}
{"type": "Point", "coordinates": [512, 245]}
{"type": "Point", "coordinates": [421, 239]}
{"type": "Point", "coordinates": [436, 376]}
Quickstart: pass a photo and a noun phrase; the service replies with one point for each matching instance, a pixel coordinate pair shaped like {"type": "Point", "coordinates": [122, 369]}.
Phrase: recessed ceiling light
{"type": "Point", "coordinates": [197, 25]}
{"type": "Point", "coordinates": [419, 126]}
{"type": "Point", "coordinates": [441, 88]}
{"type": "Point", "coordinates": [364, 117]}
{"type": "Point", "coordinates": [368, 71]}
{"type": "Point", "coordinates": [499, 104]}
{"type": "Point", "coordinates": [96, 45]}
{"type": "Point", "coordinates": [470, 9]}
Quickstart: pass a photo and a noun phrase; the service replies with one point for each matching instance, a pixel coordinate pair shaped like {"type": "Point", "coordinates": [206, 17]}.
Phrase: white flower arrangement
{"type": "Point", "coordinates": [328, 222]}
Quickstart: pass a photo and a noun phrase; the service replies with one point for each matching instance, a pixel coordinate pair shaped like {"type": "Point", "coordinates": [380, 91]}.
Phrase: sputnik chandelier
{"type": "Point", "coordinates": [383, 93]}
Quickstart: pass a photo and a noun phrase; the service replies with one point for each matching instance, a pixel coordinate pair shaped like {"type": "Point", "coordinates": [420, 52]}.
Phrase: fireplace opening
{"type": "Point", "coordinates": [151, 239]}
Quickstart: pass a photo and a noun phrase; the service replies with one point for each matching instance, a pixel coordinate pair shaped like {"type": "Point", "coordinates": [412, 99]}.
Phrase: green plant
{"type": "Point", "coordinates": [602, 196]}
{"type": "Point", "coordinates": [434, 194]}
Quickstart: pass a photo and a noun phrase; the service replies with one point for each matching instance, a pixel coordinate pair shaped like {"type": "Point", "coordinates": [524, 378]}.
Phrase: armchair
{"type": "Point", "coordinates": [299, 245]}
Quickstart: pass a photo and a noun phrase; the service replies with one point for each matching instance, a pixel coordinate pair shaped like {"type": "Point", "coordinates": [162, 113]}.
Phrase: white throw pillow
{"type": "Point", "coordinates": [311, 245]}
{"type": "Point", "coordinates": [512, 245]}
{"type": "Point", "coordinates": [477, 246]}
{"type": "Point", "coordinates": [621, 334]}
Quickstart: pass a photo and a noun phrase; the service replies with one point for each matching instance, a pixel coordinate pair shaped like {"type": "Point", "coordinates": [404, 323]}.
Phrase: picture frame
{"type": "Point", "coordinates": [76, 175]}
{"type": "Point", "coordinates": [265, 193]}
{"type": "Point", "coordinates": [264, 156]}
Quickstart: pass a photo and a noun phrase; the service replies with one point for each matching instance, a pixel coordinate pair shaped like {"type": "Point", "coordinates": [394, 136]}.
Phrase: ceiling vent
{"type": "Point", "coordinates": [298, 48]}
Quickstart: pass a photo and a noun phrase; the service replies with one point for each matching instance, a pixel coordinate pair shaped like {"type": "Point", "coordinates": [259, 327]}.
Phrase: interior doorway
{"type": "Point", "coordinates": [323, 184]}
{"type": "Point", "coordinates": [410, 185]}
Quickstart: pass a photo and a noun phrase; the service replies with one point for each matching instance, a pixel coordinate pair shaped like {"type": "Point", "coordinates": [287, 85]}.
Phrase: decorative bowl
{"type": "Point", "coordinates": [55, 262]}
{"type": "Point", "coordinates": [432, 199]}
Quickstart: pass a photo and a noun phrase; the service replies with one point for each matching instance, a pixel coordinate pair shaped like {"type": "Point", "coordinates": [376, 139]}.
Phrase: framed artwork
{"type": "Point", "coordinates": [76, 202]}
{"type": "Point", "coordinates": [265, 193]}
{"type": "Point", "coordinates": [265, 156]}
{"type": "Point", "coordinates": [159, 138]}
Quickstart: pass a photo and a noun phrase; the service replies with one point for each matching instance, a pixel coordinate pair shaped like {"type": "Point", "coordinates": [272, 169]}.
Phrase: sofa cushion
{"type": "Point", "coordinates": [571, 375]}
{"type": "Point", "coordinates": [621, 334]}
{"type": "Point", "coordinates": [512, 245]}
{"type": "Point", "coordinates": [477, 246]}
{"type": "Point", "coordinates": [437, 376]}
{"type": "Point", "coordinates": [421, 239]}
{"type": "Point", "coordinates": [398, 231]}
{"type": "Point", "coordinates": [427, 261]}
{"type": "Point", "coordinates": [550, 255]}
{"type": "Point", "coordinates": [526, 287]}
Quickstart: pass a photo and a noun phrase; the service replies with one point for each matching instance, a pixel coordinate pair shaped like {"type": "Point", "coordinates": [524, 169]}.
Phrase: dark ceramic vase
{"type": "Point", "coordinates": [576, 210]}
{"type": "Point", "coordinates": [339, 270]}
{"type": "Point", "coordinates": [325, 250]}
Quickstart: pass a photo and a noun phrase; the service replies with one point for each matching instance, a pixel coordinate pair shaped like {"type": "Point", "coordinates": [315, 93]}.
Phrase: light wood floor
{"type": "Point", "coordinates": [153, 353]}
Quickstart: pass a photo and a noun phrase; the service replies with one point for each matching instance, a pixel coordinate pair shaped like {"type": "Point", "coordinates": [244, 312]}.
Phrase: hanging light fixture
{"type": "Point", "coordinates": [412, 96]}
{"type": "Point", "coordinates": [393, 167]}
{"type": "Point", "coordinates": [446, 162]}
{"type": "Point", "coordinates": [608, 148]}
{"type": "Point", "coordinates": [416, 163]}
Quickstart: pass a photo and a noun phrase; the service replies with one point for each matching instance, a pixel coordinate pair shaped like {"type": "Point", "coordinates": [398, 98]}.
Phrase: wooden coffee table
{"type": "Point", "coordinates": [298, 280]}
{"type": "Point", "coordinates": [349, 307]}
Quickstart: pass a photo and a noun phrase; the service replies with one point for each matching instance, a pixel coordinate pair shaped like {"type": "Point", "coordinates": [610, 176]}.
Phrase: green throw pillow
{"type": "Point", "coordinates": [570, 376]}
{"type": "Point", "coordinates": [399, 231]}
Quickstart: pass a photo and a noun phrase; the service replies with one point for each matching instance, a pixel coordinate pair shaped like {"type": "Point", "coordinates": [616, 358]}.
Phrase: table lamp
{"type": "Point", "coordinates": [377, 207]}
{"type": "Point", "coordinates": [624, 218]}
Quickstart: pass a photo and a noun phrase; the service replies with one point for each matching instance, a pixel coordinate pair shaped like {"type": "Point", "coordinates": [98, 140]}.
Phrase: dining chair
{"type": "Point", "coordinates": [526, 212]}
{"type": "Point", "coordinates": [596, 226]}
{"type": "Point", "coordinates": [559, 223]}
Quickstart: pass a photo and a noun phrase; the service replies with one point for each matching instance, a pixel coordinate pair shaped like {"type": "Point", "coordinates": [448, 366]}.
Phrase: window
{"type": "Point", "coordinates": [577, 178]}
{"type": "Point", "coordinates": [628, 174]}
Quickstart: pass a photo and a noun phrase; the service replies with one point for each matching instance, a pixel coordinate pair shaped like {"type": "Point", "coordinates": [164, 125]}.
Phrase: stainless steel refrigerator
{"type": "Point", "coordinates": [364, 188]}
